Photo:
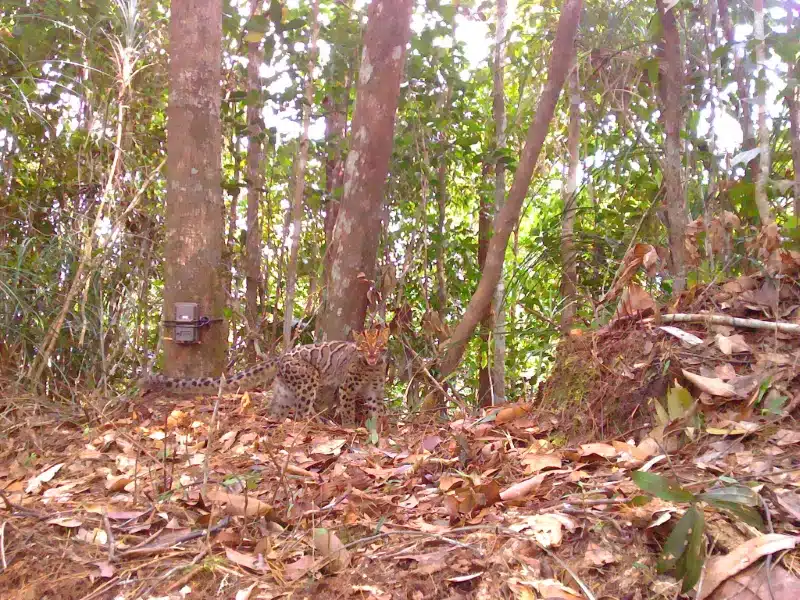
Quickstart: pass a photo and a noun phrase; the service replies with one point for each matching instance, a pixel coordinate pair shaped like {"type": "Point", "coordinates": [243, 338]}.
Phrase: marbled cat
{"type": "Point", "coordinates": [306, 378]}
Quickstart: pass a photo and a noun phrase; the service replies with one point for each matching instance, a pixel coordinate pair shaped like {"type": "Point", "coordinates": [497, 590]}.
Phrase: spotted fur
{"type": "Point", "coordinates": [335, 377]}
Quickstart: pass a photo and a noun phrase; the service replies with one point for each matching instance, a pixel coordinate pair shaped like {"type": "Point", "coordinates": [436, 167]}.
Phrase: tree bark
{"type": "Point", "coordinates": [485, 211]}
{"type": "Point", "coordinates": [356, 233]}
{"type": "Point", "coordinates": [671, 86]}
{"type": "Point", "coordinates": [337, 106]}
{"type": "Point", "coordinates": [764, 211]}
{"type": "Point", "coordinates": [194, 219]}
{"type": "Point", "coordinates": [255, 182]}
{"type": "Point", "coordinates": [509, 215]}
{"type": "Point", "coordinates": [300, 183]}
{"type": "Point", "coordinates": [570, 271]}
{"type": "Point", "coordinates": [499, 113]}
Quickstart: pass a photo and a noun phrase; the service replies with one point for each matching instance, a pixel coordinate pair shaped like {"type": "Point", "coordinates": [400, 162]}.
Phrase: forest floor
{"type": "Point", "coordinates": [206, 498]}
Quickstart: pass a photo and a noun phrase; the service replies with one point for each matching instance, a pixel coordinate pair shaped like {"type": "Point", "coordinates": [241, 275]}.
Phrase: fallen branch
{"type": "Point", "coordinates": [726, 320]}
{"type": "Point", "coordinates": [186, 538]}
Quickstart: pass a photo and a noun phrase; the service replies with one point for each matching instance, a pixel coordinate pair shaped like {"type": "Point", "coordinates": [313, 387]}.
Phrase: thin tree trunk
{"type": "Point", "coordinates": [255, 182]}
{"type": "Point", "coordinates": [508, 216]}
{"type": "Point", "coordinates": [357, 230]}
{"type": "Point", "coordinates": [193, 267]}
{"type": "Point", "coordinates": [671, 87]}
{"type": "Point", "coordinates": [764, 211]}
{"type": "Point", "coordinates": [793, 100]}
{"type": "Point", "coordinates": [568, 256]}
{"type": "Point", "coordinates": [499, 113]}
{"type": "Point", "coordinates": [299, 183]}
{"type": "Point", "coordinates": [743, 90]}
{"type": "Point", "coordinates": [485, 211]}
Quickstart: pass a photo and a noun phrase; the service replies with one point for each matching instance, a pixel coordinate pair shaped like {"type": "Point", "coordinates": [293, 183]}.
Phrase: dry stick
{"type": "Point", "coordinates": [726, 320]}
{"type": "Point", "coordinates": [110, 534]}
{"type": "Point", "coordinates": [3, 563]}
{"type": "Point", "coordinates": [185, 538]}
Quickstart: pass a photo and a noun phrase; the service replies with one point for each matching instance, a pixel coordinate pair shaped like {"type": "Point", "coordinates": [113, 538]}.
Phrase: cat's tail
{"type": "Point", "coordinates": [259, 375]}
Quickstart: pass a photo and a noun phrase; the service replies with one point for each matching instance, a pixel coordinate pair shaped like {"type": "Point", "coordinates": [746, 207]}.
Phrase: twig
{"type": "Point", "coordinates": [726, 320]}
{"type": "Point", "coordinates": [186, 538]}
{"type": "Point", "coordinates": [3, 563]}
{"type": "Point", "coordinates": [110, 534]}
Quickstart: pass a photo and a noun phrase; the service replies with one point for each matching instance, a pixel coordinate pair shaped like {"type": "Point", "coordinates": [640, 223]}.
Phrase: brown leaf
{"type": "Point", "coordinates": [248, 561]}
{"type": "Point", "coordinates": [538, 462]}
{"type": "Point", "coordinates": [298, 568]}
{"type": "Point", "coordinates": [239, 505]}
{"type": "Point", "coordinates": [720, 568]}
{"type": "Point", "coordinates": [328, 545]}
{"type": "Point", "coordinates": [713, 386]}
{"type": "Point", "coordinates": [512, 413]}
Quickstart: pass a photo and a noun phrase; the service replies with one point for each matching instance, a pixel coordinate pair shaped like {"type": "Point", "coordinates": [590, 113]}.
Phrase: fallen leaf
{"type": "Point", "coordinates": [710, 385]}
{"type": "Point", "coordinates": [35, 482]}
{"type": "Point", "coordinates": [249, 561]}
{"type": "Point", "coordinates": [538, 462]}
{"type": "Point", "coordinates": [431, 442]}
{"type": "Point", "coordinates": [720, 568]}
{"type": "Point", "coordinates": [511, 413]}
{"type": "Point", "coordinates": [66, 522]}
{"type": "Point", "coordinates": [298, 568]}
{"type": "Point", "coordinates": [596, 556]}
{"type": "Point", "coordinates": [329, 447]}
{"type": "Point", "coordinates": [328, 545]}
{"type": "Point", "coordinates": [239, 505]}
{"type": "Point", "coordinates": [759, 583]}
{"type": "Point", "coordinates": [731, 345]}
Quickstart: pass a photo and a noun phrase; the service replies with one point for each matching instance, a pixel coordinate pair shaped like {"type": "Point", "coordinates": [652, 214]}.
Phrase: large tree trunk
{"type": "Point", "coordinates": [507, 218]}
{"type": "Point", "coordinates": [194, 220]}
{"type": "Point", "coordinates": [255, 181]}
{"type": "Point", "coordinates": [337, 106]}
{"type": "Point", "coordinates": [499, 113]}
{"type": "Point", "coordinates": [569, 278]}
{"type": "Point", "coordinates": [300, 183]}
{"type": "Point", "coordinates": [671, 87]}
{"type": "Point", "coordinates": [764, 211]}
{"type": "Point", "coordinates": [357, 229]}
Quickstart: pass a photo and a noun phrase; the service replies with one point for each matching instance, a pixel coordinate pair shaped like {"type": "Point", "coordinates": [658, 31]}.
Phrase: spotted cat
{"type": "Point", "coordinates": [308, 378]}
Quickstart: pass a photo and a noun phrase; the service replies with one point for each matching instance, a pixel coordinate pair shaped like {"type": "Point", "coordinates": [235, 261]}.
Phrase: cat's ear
{"type": "Point", "coordinates": [358, 337]}
{"type": "Point", "coordinates": [384, 335]}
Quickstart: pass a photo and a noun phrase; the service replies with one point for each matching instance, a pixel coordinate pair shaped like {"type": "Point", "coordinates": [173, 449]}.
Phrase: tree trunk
{"type": "Point", "coordinates": [499, 114]}
{"type": "Point", "coordinates": [485, 211]}
{"type": "Point", "coordinates": [336, 105]}
{"type": "Point", "coordinates": [194, 219]}
{"type": "Point", "coordinates": [764, 211]}
{"type": "Point", "coordinates": [508, 216]}
{"type": "Point", "coordinates": [569, 278]}
{"type": "Point", "coordinates": [743, 91]}
{"type": "Point", "coordinates": [255, 182]}
{"type": "Point", "coordinates": [356, 233]}
{"type": "Point", "coordinates": [300, 183]}
{"type": "Point", "coordinates": [671, 86]}
{"type": "Point", "coordinates": [793, 101]}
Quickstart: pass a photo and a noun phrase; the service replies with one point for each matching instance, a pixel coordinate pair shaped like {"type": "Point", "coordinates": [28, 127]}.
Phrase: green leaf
{"type": "Point", "coordinates": [294, 24]}
{"type": "Point", "coordinates": [676, 543]}
{"type": "Point", "coordinates": [720, 52]}
{"type": "Point", "coordinates": [661, 487]}
{"type": "Point", "coordinates": [690, 565]}
{"type": "Point", "coordinates": [738, 494]}
{"type": "Point", "coordinates": [746, 513]}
